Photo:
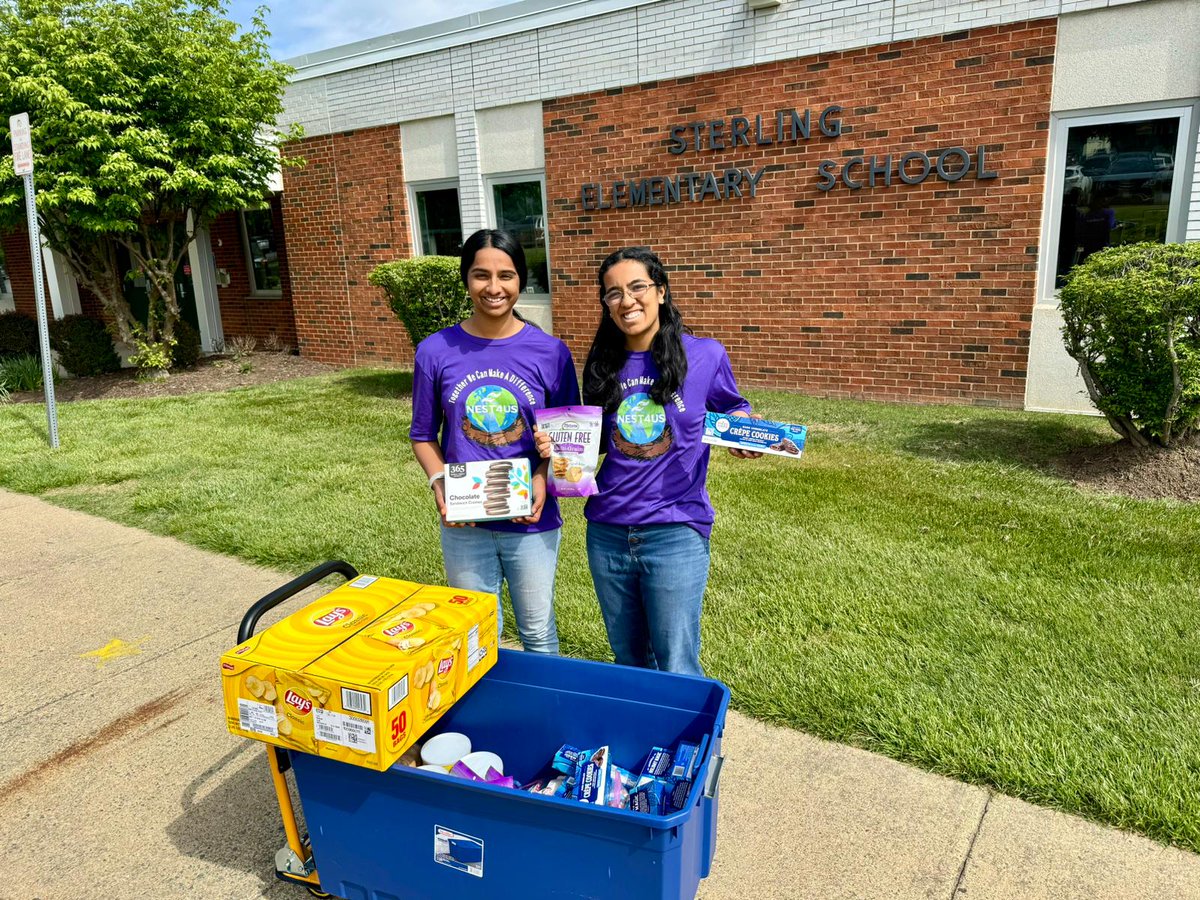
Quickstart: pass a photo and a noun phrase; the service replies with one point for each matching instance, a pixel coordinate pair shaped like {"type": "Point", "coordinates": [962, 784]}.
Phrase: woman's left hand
{"type": "Point", "coordinates": [745, 454]}
{"type": "Point", "coordinates": [539, 498]}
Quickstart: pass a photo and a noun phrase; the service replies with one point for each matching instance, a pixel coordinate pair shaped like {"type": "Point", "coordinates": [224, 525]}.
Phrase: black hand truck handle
{"type": "Point", "coordinates": [293, 587]}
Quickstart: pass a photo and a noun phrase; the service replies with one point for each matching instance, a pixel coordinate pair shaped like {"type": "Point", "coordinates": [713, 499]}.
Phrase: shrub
{"type": "Point", "coordinates": [18, 335]}
{"type": "Point", "coordinates": [21, 373]}
{"type": "Point", "coordinates": [84, 346]}
{"type": "Point", "coordinates": [425, 292]}
{"type": "Point", "coordinates": [186, 352]}
{"type": "Point", "coordinates": [1132, 320]}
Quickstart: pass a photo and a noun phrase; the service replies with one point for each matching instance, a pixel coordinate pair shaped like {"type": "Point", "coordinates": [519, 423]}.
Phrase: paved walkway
{"type": "Point", "coordinates": [119, 780]}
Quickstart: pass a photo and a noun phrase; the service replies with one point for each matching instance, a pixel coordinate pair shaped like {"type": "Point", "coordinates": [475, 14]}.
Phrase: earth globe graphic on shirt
{"type": "Point", "coordinates": [491, 408]}
{"type": "Point", "coordinates": [640, 420]}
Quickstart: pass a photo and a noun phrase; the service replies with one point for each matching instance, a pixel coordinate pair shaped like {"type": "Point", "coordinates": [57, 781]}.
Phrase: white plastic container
{"type": "Point", "coordinates": [481, 760]}
{"type": "Point", "coordinates": [445, 749]}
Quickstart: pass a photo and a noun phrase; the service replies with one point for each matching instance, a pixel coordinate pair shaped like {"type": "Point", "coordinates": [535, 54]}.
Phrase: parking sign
{"type": "Point", "coordinates": [22, 145]}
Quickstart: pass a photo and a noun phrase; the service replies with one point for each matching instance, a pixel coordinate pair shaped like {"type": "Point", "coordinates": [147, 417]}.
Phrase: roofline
{"type": "Point", "coordinates": [502, 21]}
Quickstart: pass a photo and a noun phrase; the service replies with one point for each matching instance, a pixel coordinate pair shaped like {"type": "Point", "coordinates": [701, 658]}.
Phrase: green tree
{"type": "Point", "coordinates": [1132, 321]}
{"type": "Point", "coordinates": [149, 118]}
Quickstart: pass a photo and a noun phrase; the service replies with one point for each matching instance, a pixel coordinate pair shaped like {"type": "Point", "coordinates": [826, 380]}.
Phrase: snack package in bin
{"type": "Point", "coordinates": [360, 674]}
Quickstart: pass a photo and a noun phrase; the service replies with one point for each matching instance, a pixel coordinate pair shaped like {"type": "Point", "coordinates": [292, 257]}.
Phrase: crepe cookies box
{"type": "Point", "coordinates": [759, 435]}
{"type": "Point", "coordinates": [488, 489]}
{"type": "Point", "coordinates": [327, 681]}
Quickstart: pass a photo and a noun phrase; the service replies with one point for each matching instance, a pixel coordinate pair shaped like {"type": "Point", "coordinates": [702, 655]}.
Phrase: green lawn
{"type": "Point", "coordinates": [917, 584]}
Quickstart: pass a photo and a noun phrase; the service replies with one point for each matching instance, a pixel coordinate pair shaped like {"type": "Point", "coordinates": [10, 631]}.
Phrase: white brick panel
{"type": "Point", "coordinates": [1070, 6]}
{"type": "Point", "coordinates": [803, 29]}
{"type": "Point", "coordinates": [304, 102]}
{"type": "Point", "coordinates": [589, 55]}
{"type": "Point", "coordinates": [361, 98]}
{"type": "Point", "coordinates": [922, 18]}
{"type": "Point", "coordinates": [687, 37]}
{"type": "Point", "coordinates": [470, 181]}
{"type": "Point", "coordinates": [506, 70]}
{"type": "Point", "coordinates": [423, 86]}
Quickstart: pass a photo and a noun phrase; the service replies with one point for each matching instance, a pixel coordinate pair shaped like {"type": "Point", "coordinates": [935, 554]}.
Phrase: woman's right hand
{"type": "Point", "coordinates": [439, 497]}
{"type": "Point", "coordinates": [542, 441]}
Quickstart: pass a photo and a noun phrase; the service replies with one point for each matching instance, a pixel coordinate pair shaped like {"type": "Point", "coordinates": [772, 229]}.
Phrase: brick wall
{"type": "Point", "coordinates": [242, 313]}
{"type": "Point", "coordinates": [899, 292]}
{"type": "Point", "coordinates": [345, 212]}
{"type": "Point", "coordinates": [20, 272]}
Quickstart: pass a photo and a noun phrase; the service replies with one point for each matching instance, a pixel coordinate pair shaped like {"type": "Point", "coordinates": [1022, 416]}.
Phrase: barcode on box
{"type": "Point", "coordinates": [356, 701]}
{"type": "Point", "coordinates": [397, 692]}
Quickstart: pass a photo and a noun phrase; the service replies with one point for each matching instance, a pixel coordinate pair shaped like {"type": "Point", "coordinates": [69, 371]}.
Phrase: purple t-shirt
{"type": "Point", "coordinates": [655, 464]}
{"type": "Point", "coordinates": [476, 398]}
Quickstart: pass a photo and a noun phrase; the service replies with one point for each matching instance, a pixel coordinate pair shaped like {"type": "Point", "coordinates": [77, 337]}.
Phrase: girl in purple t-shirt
{"type": "Point", "coordinates": [475, 387]}
{"type": "Point", "coordinates": [649, 525]}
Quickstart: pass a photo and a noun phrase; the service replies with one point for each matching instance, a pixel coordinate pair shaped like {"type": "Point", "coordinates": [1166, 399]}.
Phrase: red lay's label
{"type": "Point", "coordinates": [399, 628]}
{"type": "Point", "coordinates": [301, 704]}
{"type": "Point", "coordinates": [333, 616]}
{"type": "Point", "coordinates": [445, 665]}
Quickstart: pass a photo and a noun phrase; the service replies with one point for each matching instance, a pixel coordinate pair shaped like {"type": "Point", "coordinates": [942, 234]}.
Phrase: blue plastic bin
{"type": "Point", "coordinates": [375, 835]}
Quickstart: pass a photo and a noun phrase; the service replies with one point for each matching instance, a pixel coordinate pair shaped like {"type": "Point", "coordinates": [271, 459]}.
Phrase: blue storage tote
{"type": "Point", "coordinates": [406, 833]}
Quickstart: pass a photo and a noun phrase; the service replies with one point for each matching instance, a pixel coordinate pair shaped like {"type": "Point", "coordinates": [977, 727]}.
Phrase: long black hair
{"type": "Point", "coordinates": [602, 371]}
{"type": "Point", "coordinates": [499, 240]}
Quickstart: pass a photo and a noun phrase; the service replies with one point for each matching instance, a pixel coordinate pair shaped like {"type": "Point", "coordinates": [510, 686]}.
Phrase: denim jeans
{"type": "Point", "coordinates": [479, 559]}
{"type": "Point", "coordinates": [650, 582]}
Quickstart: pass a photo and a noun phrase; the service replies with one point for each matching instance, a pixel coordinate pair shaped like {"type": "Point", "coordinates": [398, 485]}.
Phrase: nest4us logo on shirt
{"type": "Point", "coordinates": [492, 417]}
{"type": "Point", "coordinates": [640, 429]}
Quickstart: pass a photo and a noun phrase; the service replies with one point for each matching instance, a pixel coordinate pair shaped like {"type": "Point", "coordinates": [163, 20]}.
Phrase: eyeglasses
{"type": "Point", "coordinates": [636, 290]}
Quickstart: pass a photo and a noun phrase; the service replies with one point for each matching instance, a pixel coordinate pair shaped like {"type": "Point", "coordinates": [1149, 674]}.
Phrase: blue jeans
{"type": "Point", "coordinates": [650, 582]}
{"type": "Point", "coordinates": [479, 559]}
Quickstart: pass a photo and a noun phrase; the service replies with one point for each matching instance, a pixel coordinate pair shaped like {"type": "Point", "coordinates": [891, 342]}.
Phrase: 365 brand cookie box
{"type": "Point", "coordinates": [485, 490]}
{"type": "Point", "coordinates": [360, 674]}
{"type": "Point", "coordinates": [759, 435]}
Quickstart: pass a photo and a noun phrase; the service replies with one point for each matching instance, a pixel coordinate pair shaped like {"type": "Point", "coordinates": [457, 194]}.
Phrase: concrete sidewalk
{"type": "Point", "coordinates": [118, 778]}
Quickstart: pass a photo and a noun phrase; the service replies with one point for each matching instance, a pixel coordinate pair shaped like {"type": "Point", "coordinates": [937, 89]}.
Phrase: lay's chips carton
{"type": "Point", "coordinates": [360, 674]}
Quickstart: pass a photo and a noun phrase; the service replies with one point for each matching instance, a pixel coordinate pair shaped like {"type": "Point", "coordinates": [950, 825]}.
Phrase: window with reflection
{"type": "Point", "coordinates": [1116, 188]}
{"type": "Point", "coordinates": [262, 251]}
{"type": "Point", "coordinates": [439, 226]}
{"type": "Point", "coordinates": [519, 211]}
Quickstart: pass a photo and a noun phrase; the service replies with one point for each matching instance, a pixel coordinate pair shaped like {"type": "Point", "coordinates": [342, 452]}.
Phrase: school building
{"type": "Point", "coordinates": [859, 198]}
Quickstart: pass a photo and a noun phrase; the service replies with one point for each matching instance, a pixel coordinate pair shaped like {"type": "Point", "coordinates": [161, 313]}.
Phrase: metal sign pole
{"type": "Point", "coordinates": [23, 165]}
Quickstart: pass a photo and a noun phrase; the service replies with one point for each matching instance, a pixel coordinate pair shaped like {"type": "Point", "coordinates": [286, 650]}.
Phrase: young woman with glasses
{"type": "Point", "coordinates": [475, 386]}
{"type": "Point", "coordinates": [649, 526]}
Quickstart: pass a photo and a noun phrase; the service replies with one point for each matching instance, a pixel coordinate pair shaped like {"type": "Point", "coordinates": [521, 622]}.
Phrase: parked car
{"type": "Point", "coordinates": [1075, 179]}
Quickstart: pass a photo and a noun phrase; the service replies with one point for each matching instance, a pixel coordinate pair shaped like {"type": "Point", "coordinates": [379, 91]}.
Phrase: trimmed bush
{"type": "Point", "coordinates": [84, 346]}
{"type": "Point", "coordinates": [425, 292]}
{"type": "Point", "coordinates": [1132, 321]}
{"type": "Point", "coordinates": [186, 352]}
{"type": "Point", "coordinates": [18, 335]}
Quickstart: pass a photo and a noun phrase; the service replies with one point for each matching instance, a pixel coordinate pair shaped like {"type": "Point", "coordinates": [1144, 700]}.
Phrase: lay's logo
{"type": "Point", "coordinates": [228, 667]}
{"type": "Point", "coordinates": [333, 616]}
{"type": "Point", "coordinates": [301, 704]}
{"type": "Point", "coordinates": [445, 665]}
{"type": "Point", "coordinates": [399, 628]}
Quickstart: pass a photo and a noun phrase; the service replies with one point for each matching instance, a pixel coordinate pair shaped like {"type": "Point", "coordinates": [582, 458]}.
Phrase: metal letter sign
{"type": "Point", "coordinates": [22, 145]}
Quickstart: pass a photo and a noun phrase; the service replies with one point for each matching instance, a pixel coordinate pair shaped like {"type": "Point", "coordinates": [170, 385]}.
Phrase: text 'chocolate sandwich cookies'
{"type": "Point", "coordinates": [489, 489]}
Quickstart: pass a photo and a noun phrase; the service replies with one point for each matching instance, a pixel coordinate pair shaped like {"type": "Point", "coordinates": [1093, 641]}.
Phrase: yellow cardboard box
{"type": "Point", "coordinates": [362, 673]}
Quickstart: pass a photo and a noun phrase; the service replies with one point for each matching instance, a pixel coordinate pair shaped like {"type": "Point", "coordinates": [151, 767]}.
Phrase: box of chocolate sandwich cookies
{"type": "Point", "coordinates": [489, 489]}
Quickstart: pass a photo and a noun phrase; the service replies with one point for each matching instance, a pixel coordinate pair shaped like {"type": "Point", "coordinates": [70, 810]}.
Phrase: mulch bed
{"type": "Point", "coordinates": [1146, 473]}
{"type": "Point", "coordinates": [212, 373]}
